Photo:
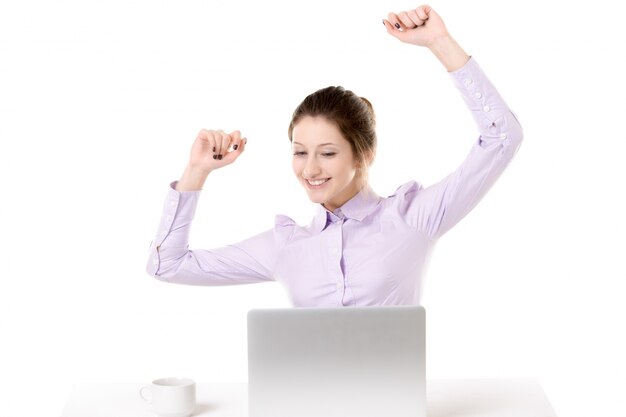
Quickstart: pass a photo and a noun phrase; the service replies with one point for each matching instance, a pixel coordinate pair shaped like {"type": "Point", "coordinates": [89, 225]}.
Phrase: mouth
{"type": "Point", "coordinates": [316, 183]}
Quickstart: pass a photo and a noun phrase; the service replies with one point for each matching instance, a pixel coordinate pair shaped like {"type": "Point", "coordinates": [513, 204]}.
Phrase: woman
{"type": "Point", "coordinates": [360, 249]}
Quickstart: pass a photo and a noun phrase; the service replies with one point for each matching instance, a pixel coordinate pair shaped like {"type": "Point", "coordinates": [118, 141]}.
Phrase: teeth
{"type": "Point", "coordinates": [317, 182]}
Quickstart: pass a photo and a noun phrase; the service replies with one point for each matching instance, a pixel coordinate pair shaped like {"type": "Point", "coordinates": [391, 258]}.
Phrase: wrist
{"type": "Point", "coordinates": [448, 52]}
{"type": "Point", "coordinates": [193, 179]}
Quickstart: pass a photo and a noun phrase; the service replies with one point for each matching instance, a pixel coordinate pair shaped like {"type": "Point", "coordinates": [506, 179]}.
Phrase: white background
{"type": "Point", "coordinates": [99, 104]}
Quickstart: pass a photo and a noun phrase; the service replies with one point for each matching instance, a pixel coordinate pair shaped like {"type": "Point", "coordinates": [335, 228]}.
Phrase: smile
{"type": "Point", "coordinates": [317, 183]}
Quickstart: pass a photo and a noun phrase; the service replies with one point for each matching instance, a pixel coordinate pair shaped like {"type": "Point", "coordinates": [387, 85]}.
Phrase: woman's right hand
{"type": "Point", "coordinates": [212, 149]}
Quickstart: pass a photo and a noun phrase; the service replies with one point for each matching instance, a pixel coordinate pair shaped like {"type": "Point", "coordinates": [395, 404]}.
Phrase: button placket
{"type": "Point", "coordinates": [335, 254]}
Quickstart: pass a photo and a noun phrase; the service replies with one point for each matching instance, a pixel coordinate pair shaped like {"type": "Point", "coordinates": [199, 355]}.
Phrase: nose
{"type": "Point", "coordinates": [311, 167]}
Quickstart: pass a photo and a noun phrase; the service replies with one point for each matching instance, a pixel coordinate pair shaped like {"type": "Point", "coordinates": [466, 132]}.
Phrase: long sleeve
{"type": "Point", "coordinates": [437, 208]}
{"type": "Point", "coordinates": [171, 260]}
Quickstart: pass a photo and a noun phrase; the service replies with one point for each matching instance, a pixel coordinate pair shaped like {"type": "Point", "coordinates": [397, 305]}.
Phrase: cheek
{"type": "Point", "coordinates": [345, 169]}
{"type": "Point", "coordinates": [296, 166]}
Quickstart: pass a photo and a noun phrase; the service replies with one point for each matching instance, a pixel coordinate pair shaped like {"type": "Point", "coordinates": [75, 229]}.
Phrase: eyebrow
{"type": "Point", "coordinates": [321, 144]}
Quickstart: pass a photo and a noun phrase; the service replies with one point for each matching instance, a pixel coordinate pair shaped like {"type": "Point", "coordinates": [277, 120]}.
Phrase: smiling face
{"type": "Point", "coordinates": [323, 162]}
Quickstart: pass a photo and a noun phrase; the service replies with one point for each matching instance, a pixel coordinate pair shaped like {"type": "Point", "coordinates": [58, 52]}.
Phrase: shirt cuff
{"type": "Point", "coordinates": [178, 208]}
{"type": "Point", "coordinates": [479, 94]}
{"type": "Point", "coordinates": [496, 123]}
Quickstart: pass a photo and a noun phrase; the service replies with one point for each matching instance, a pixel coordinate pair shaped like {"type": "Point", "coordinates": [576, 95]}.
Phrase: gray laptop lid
{"type": "Point", "coordinates": [337, 362]}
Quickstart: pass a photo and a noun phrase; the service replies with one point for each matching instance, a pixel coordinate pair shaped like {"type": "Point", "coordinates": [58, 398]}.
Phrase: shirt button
{"type": "Point", "coordinates": [155, 262]}
{"type": "Point", "coordinates": [478, 95]}
{"type": "Point", "coordinates": [335, 251]}
{"type": "Point", "coordinates": [503, 136]}
{"type": "Point", "coordinates": [468, 81]}
{"type": "Point", "coordinates": [486, 109]}
{"type": "Point", "coordinates": [338, 285]}
{"type": "Point", "coordinates": [168, 219]}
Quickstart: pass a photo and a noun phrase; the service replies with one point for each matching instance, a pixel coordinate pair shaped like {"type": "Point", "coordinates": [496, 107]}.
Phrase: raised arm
{"type": "Point", "coordinates": [171, 260]}
{"type": "Point", "coordinates": [434, 210]}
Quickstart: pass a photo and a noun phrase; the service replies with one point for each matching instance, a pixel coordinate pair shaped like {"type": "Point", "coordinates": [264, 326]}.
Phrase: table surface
{"type": "Point", "coordinates": [446, 398]}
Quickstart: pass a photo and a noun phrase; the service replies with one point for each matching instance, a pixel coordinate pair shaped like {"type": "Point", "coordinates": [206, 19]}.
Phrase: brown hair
{"type": "Point", "coordinates": [354, 117]}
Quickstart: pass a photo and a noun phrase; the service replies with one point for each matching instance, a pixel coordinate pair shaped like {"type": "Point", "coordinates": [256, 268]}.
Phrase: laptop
{"type": "Point", "coordinates": [337, 362]}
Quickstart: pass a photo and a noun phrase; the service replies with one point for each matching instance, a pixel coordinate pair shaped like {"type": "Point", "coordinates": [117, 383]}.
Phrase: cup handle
{"type": "Point", "coordinates": [142, 391]}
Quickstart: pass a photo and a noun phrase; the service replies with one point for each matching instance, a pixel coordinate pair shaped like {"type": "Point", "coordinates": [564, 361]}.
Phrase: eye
{"type": "Point", "coordinates": [329, 154]}
{"type": "Point", "coordinates": [299, 153]}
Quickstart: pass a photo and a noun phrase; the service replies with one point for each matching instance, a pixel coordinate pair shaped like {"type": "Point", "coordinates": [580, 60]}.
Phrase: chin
{"type": "Point", "coordinates": [315, 198]}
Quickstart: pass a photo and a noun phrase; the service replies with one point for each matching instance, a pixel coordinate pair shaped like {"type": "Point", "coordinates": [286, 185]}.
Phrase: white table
{"type": "Point", "coordinates": [446, 398]}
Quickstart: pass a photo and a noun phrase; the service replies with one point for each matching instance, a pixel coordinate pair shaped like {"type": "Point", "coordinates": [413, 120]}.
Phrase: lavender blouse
{"type": "Point", "coordinates": [372, 250]}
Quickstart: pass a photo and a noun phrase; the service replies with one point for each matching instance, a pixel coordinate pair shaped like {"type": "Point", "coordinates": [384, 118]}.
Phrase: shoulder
{"type": "Point", "coordinates": [404, 202]}
{"type": "Point", "coordinates": [286, 229]}
{"type": "Point", "coordinates": [406, 192]}
{"type": "Point", "coordinates": [282, 223]}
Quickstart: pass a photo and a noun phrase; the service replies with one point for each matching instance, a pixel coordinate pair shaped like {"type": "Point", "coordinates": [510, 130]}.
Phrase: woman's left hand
{"type": "Point", "coordinates": [420, 26]}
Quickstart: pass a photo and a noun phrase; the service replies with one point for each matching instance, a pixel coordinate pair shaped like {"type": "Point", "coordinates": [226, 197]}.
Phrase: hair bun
{"type": "Point", "coordinates": [370, 108]}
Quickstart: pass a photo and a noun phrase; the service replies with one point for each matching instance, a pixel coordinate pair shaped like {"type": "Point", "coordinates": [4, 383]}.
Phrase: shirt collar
{"type": "Point", "coordinates": [357, 208]}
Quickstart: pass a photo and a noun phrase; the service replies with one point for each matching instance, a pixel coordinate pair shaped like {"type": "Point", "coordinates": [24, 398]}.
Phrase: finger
{"type": "Point", "coordinates": [242, 146]}
{"type": "Point", "coordinates": [412, 14]}
{"type": "Point", "coordinates": [212, 143]}
{"type": "Point", "coordinates": [207, 137]}
{"type": "Point", "coordinates": [394, 20]}
{"type": "Point", "coordinates": [389, 26]}
{"type": "Point", "coordinates": [224, 145]}
{"type": "Point", "coordinates": [204, 135]}
{"type": "Point", "coordinates": [423, 12]}
{"type": "Point", "coordinates": [230, 157]}
{"type": "Point", "coordinates": [235, 136]}
{"type": "Point", "coordinates": [219, 139]}
{"type": "Point", "coordinates": [394, 31]}
{"type": "Point", "coordinates": [406, 21]}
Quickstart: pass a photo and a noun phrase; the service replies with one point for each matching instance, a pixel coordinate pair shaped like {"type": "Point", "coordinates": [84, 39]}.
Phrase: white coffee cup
{"type": "Point", "coordinates": [170, 397]}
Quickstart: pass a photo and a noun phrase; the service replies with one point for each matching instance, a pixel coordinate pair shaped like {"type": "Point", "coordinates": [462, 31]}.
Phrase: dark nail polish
{"type": "Point", "coordinates": [397, 25]}
{"type": "Point", "coordinates": [214, 156]}
{"type": "Point", "coordinates": [214, 149]}
{"type": "Point", "coordinates": [235, 147]}
{"type": "Point", "coordinates": [219, 157]}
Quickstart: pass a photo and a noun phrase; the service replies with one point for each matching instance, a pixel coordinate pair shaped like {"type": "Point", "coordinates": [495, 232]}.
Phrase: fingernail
{"type": "Point", "coordinates": [397, 25]}
{"type": "Point", "coordinates": [235, 147]}
{"type": "Point", "coordinates": [245, 141]}
{"type": "Point", "coordinates": [384, 22]}
{"type": "Point", "coordinates": [214, 156]}
{"type": "Point", "coordinates": [214, 149]}
{"type": "Point", "coordinates": [219, 156]}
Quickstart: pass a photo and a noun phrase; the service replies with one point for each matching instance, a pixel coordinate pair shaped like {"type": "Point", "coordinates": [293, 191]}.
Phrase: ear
{"type": "Point", "coordinates": [366, 162]}
{"type": "Point", "coordinates": [369, 158]}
